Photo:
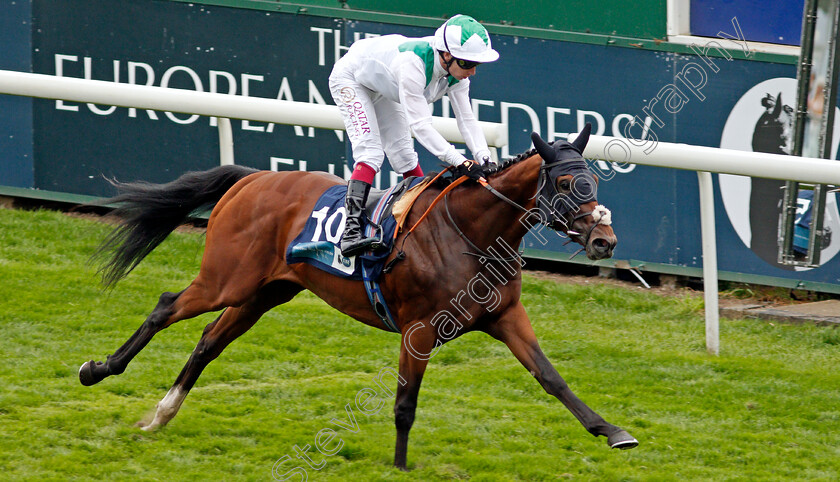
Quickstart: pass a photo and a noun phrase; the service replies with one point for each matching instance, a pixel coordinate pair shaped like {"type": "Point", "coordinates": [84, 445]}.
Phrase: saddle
{"type": "Point", "coordinates": [317, 243]}
{"type": "Point", "coordinates": [396, 194]}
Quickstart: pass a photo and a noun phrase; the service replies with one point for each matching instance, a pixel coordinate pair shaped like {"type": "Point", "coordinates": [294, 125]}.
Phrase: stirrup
{"type": "Point", "coordinates": [364, 244]}
{"type": "Point", "coordinates": [359, 246]}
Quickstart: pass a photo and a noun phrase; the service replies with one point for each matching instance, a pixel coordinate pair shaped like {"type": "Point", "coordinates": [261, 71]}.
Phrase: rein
{"type": "Point", "coordinates": [443, 193]}
{"type": "Point", "coordinates": [480, 253]}
{"type": "Point", "coordinates": [401, 252]}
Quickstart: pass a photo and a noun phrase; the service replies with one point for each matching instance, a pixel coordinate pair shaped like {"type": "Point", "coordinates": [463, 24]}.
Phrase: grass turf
{"type": "Point", "coordinates": [767, 409]}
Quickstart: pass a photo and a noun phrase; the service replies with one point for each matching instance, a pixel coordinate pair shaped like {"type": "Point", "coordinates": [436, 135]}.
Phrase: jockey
{"type": "Point", "coordinates": [383, 87]}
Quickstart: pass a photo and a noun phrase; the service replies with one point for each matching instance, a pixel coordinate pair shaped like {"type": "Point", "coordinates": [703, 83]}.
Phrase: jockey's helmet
{"type": "Point", "coordinates": [466, 39]}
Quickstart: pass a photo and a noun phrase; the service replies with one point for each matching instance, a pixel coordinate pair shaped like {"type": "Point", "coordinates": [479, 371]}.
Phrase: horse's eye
{"type": "Point", "coordinates": [565, 185]}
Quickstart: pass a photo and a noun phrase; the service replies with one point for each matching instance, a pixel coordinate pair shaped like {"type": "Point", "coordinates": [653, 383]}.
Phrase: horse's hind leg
{"type": "Point", "coordinates": [94, 371]}
{"type": "Point", "coordinates": [216, 337]}
{"type": "Point", "coordinates": [171, 308]}
{"type": "Point", "coordinates": [233, 269]}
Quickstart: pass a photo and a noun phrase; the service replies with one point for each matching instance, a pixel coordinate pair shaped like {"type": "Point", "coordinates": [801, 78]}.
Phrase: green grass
{"type": "Point", "coordinates": [768, 408]}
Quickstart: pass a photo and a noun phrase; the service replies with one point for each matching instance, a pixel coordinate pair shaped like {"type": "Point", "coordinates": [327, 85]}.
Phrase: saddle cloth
{"type": "Point", "coordinates": [318, 243]}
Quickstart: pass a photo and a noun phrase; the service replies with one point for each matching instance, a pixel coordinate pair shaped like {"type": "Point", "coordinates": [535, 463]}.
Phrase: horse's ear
{"type": "Point", "coordinates": [582, 138]}
{"type": "Point", "coordinates": [546, 151]}
{"type": "Point", "coordinates": [778, 108]}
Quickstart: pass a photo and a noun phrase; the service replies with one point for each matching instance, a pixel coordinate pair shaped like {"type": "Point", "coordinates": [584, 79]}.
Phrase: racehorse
{"type": "Point", "coordinates": [258, 213]}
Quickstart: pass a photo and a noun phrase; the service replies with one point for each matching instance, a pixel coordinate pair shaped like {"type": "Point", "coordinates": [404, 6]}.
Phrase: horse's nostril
{"type": "Point", "coordinates": [601, 244]}
{"type": "Point", "coordinates": [600, 248]}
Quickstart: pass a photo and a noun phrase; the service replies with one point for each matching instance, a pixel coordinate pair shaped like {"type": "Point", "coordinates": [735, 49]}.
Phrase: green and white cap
{"type": "Point", "coordinates": [465, 38]}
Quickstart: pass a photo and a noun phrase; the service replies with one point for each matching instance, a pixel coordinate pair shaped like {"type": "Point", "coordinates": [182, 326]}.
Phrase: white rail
{"type": "Point", "coordinates": [712, 159]}
{"type": "Point", "coordinates": [706, 160]}
{"type": "Point", "coordinates": [206, 103]}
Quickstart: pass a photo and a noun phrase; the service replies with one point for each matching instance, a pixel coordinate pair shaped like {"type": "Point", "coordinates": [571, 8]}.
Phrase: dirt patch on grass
{"type": "Point", "coordinates": [730, 294]}
{"type": "Point", "coordinates": [661, 289]}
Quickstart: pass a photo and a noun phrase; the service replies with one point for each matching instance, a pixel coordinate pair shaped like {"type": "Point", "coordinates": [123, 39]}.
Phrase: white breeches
{"type": "Point", "coordinates": [375, 125]}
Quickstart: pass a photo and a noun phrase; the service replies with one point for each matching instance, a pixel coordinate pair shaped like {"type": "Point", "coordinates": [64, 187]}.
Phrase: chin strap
{"type": "Point", "coordinates": [447, 64]}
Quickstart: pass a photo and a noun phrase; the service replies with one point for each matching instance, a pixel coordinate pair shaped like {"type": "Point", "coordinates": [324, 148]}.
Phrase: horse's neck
{"type": "Point", "coordinates": [489, 218]}
{"type": "Point", "coordinates": [519, 181]}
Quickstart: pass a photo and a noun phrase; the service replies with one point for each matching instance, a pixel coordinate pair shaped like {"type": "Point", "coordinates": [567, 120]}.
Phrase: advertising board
{"type": "Point", "coordinates": [552, 87]}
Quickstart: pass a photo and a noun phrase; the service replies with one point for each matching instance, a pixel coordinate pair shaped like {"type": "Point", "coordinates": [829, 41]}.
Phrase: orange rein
{"type": "Point", "coordinates": [440, 196]}
{"type": "Point", "coordinates": [400, 253]}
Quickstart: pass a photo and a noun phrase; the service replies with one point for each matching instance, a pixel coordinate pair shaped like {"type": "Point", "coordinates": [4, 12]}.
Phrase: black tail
{"type": "Point", "coordinates": [151, 211]}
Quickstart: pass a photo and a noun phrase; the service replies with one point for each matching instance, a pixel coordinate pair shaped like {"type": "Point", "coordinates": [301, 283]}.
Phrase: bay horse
{"type": "Point", "coordinates": [466, 237]}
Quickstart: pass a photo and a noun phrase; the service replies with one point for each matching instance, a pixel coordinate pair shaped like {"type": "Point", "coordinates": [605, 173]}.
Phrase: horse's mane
{"type": "Point", "coordinates": [506, 163]}
{"type": "Point", "coordinates": [492, 169]}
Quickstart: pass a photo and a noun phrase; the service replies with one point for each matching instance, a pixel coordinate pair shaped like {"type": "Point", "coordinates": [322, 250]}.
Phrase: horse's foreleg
{"type": "Point", "coordinates": [514, 329]}
{"type": "Point", "coordinates": [230, 325]}
{"type": "Point", "coordinates": [415, 352]}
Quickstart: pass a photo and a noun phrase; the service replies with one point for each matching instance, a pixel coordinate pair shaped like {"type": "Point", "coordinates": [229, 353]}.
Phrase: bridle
{"type": "Point", "coordinates": [545, 211]}
{"type": "Point", "coordinates": [552, 206]}
{"type": "Point", "coordinates": [565, 208]}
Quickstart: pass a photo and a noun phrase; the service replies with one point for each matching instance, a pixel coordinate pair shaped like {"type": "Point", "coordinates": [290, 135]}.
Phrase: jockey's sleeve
{"type": "Point", "coordinates": [459, 97]}
{"type": "Point", "coordinates": [411, 78]}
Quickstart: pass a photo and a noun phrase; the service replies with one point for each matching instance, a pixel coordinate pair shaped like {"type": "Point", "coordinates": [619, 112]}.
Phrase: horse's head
{"type": "Point", "coordinates": [773, 130]}
{"type": "Point", "coordinates": [567, 196]}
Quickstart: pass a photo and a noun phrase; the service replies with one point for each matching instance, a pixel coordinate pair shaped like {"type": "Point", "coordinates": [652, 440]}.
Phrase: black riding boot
{"type": "Point", "coordinates": [353, 242]}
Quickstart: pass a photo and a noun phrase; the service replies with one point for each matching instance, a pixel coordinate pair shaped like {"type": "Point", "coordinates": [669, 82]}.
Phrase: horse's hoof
{"type": "Point", "coordinates": [88, 373]}
{"type": "Point", "coordinates": [622, 440]}
{"type": "Point", "coordinates": [145, 426]}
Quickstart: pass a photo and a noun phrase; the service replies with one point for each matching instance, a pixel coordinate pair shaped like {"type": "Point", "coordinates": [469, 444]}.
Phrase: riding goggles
{"type": "Point", "coordinates": [466, 64]}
